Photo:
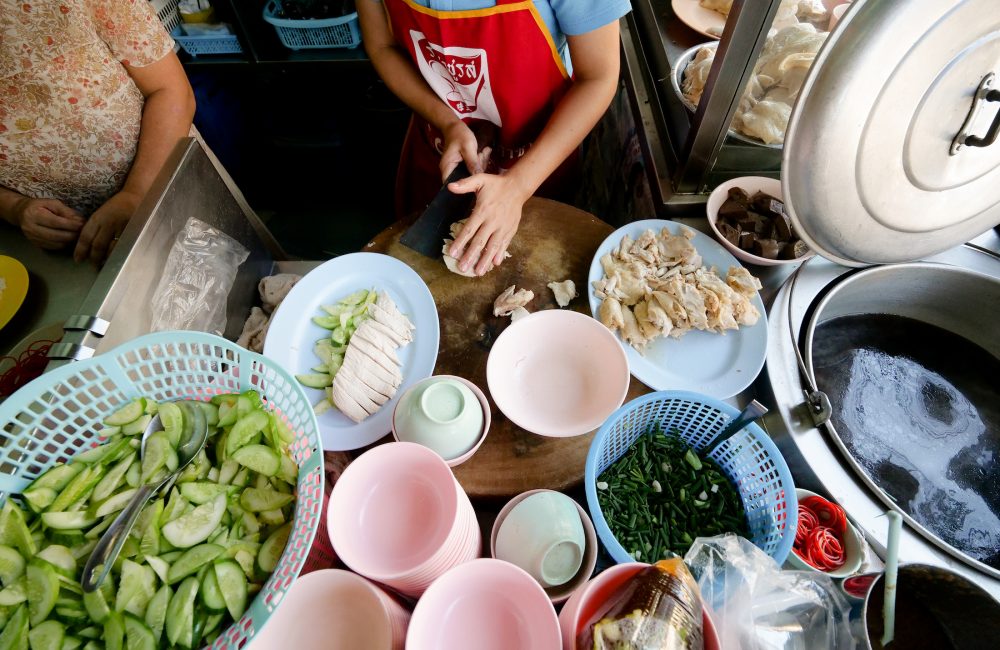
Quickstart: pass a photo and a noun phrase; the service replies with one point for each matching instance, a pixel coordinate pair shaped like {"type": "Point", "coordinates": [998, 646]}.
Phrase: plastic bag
{"type": "Point", "coordinates": [196, 281]}
{"type": "Point", "coordinates": [757, 606]}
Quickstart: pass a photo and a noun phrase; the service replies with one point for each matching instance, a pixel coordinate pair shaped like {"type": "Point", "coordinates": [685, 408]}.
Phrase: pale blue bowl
{"type": "Point", "coordinates": [443, 414]}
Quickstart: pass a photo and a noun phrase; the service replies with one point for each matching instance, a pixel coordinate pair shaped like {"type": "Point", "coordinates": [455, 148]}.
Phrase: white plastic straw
{"type": "Point", "coordinates": [891, 571]}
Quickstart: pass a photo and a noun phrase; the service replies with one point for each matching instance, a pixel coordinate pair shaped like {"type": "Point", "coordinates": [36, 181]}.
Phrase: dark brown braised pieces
{"type": "Point", "coordinates": [759, 225]}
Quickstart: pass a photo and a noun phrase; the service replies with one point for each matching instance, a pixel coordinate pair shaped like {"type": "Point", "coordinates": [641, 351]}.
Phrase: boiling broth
{"type": "Point", "coordinates": [919, 409]}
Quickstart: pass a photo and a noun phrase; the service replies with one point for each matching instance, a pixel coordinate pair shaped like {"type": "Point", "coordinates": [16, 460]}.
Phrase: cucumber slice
{"type": "Point", "coordinates": [68, 520]}
{"type": "Point", "coordinates": [154, 457]}
{"type": "Point", "coordinates": [273, 546]}
{"type": "Point", "coordinates": [271, 518]}
{"type": "Point", "coordinates": [175, 507]}
{"type": "Point", "coordinates": [289, 471]}
{"type": "Point", "coordinates": [14, 531]}
{"type": "Point", "coordinates": [156, 613]}
{"type": "Point", "coordinates": [355, 298]}
{"type": "Point", "coordinates": [247, 562]}
{"type": "Point", "coordinates": [315, 380]}
{"type": "Point", "coordinates": [259, 458]}
{"type": "Point", "coordinates": [201, 492]}
{"type": "Point", "coordinates": [43, 590]}
{"type": "Point", "coordinates": [115, 503]}
{"type": "Point", "coordinates": [245, 429]}
{"type": "Point", "coordinates": [281, 431]}
{"type": "Point", "coordinates": [14, 593]}
{"type": "Point", "coordinates": [233, 585]}
{"type": "Point", "coordinates": [137, 635]}
{"type": "Point", "coordinates": [137, 427]}
{"type": "Point", "coordinates": [172, 419]}
{"type": "Point", "coordinates": [212, 622]}
{"type": "Point", "coordinates": [257, 500]}
{"type": "Point", "coordinates": [56, 477]}
{"type": "Point", "coordinates": [114, 632]}
{"type": "Point", "coordinates": [192, 560]}
{"type": "Point", "coordinates": [133, 475]}
{"type": "Point", "coordinates": [98, 530]}
{"type": "Point", "coordinates": [228, 413]}
{"type": "Point", "coordinates": [159, 566]}
{"type": "Point", "coordinates": [180, 613]}
{"type": "Point", "coordinates": [71, 643]}
{"type": "Point", "coordinates": [82, 551]}
{"type": "Point", "coordinates": [195, 526]}
{"type": "Point", "coordinates": [59, 557]}
{"type": "Point", "coordinates": [47, 636]}
{"type": "Point", "coordinates": [242, 478]}
{"type": "Point", "coordinates": [104, 454]}
{"type": "Point", "coordinates": [197, 470]}
{"type": "Point", "coordinates": [211, 594]}
{"type": "Point", "coordinates": [227, 471]}
{"type": "Point", "coordinates": [211, 412]}
{"type": "Point", "coordinates": [39, 498]}
{"type": "Point", "coordinates": [114, 478]}
{"type": "Point", "coordinates": [14, 635]}
{"type": "Point", "coordinates": [96, 606]}
{"type": "Point", "coordinates": [78, 490]}
{"type": "Point", "coordinates": [322, 406]}
{"type": "Point", "coordinates": [327, 322]}
{"type": "Point", "coordinates": [11, 565]}
{"type": "Point", "coordinates": [136, 588]}
{"type": "Point", "coordinates": [128, 413]}
{"type": "Point", "coordinates": [339, 336]}
{"type": "Point", "coordinates": [321, 368]}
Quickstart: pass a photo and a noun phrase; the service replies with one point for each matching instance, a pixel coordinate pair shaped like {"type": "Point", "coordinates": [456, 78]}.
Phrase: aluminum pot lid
{"type": "Point", "coordinates": [869, 171]}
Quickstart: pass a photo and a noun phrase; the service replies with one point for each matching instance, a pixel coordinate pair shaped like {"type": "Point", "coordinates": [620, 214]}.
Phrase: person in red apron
{"type": "Point", "coordinates": [490, 85]}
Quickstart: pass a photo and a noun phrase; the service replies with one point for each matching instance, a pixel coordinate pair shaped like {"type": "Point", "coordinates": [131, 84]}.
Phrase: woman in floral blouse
{"type": "Point", "coordinates": [92, 101]}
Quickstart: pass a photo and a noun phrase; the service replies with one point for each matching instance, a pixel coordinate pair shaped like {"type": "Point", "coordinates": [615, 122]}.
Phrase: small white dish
{"type": "Point", "coordinates": [751, 185]}
{"type": "Point", "coordinates": [544, 535]}
{"type": "Point", "coordinates": [854, 550]}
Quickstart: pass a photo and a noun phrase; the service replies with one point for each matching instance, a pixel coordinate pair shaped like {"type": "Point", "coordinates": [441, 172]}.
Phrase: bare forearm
{"type": "Point", "coordinates": [575, 115]}
{"type": "Point", "coordinates": [166, 118]}
{"type": "Point", "coordinates": [403, 79]}
{"type": "Point", "coordinates": [9, 200]}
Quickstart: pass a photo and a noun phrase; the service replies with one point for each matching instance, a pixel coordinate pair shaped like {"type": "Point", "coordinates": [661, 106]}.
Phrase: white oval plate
{"type": "Point", "coordinates": [292, 334]}
{"type": "Point", "coordinates": [704, 362]}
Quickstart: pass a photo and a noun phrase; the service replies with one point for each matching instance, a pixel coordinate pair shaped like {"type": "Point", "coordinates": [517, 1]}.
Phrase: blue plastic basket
{"type": "Point", "coordinates": [750, 460]}
{"type": "Point", "coordinates": [315, 33]}
{"type": "Point", "coordinates": [208, 44]}
{"type": "Point", "coordinates": [58, 415]}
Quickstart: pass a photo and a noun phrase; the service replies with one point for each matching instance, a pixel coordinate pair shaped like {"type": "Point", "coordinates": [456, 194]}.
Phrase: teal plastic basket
{"type": "Point", "coordinates": [58, 415]}
{"type": "Point", "coordinates": [749, 459]}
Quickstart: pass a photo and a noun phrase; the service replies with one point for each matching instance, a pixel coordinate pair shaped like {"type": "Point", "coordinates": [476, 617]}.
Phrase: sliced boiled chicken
{"type": "Point", "coordinates": [371, 373]}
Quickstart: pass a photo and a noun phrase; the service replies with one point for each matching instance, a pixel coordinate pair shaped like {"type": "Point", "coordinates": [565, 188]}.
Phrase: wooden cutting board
{"type": "Point", "coordinates": [555, 242]}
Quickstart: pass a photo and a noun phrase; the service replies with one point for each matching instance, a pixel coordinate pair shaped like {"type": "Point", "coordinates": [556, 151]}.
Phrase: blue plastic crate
{"type": "Point", "coordinates": [208, 44]}
{"type": "Point", "coordinates": [749, 459]}
{"type": "Point", "coordinates": [342, 32]}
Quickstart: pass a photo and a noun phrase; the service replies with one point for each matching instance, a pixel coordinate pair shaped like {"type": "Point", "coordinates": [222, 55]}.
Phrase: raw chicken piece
{"type": "Point", "coordinates": [343, 401]}
{"type": "Point", "coordinates": [370, 374]}
{"type": "Point", "coordinates": [509, 300]}
{"type": "Point", "coordinates": [363, 365]}
{"type": "Point", "coordinates": [612, 314]}
{"type": "Point", "coordinates": [564, 291]}
{"type": "Point", "coordinates": [391, 334]}
{"type": "Point", "coordinates": [254, 330]}
{"type": "Point", "coordinates": [377, 339]}
{"type": "Point", "coordinates": [355, 392]}
{"type": "Point", "coordinates": [386, 303]}
{"type": "Point", "coordinates": [394, 321]}
{"type": "Point", "coordinates": [274, 288]}
{"type": "Point", "coordinates": [452, 263]}
{"type": "Point", "coordinates": [518, 314]}
{"type": "Point", "coordinates": [387, 360]}
{"type": "Point", "coordinates": [368, 391]}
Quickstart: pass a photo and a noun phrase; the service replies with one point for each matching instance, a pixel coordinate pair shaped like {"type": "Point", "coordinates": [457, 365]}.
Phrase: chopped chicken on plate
{"type": "Point", "coordinates": [657, 285]}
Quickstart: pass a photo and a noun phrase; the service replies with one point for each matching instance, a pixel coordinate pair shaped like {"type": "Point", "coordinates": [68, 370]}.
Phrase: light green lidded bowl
{"type": "Point", "coordinates": [447, 414]}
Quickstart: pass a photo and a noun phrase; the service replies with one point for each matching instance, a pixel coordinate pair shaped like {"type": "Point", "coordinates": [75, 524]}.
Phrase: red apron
{"type": "Point", "coordinates": [497, 66]}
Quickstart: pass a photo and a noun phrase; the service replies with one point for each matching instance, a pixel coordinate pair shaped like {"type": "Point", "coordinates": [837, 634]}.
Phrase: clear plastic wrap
{"type": "Point", "coordinates": [196, 281]}
{"type": "Point", "coordinates": [757, 606]}
{"type": "Point", "coordinates": [657, 609]}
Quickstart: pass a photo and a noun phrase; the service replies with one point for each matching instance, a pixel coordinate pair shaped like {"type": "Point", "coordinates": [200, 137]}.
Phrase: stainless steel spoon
{"type": "Point", "coordinates": [110, 545]}
{"type": "Point", "coordinates": [753, 412]}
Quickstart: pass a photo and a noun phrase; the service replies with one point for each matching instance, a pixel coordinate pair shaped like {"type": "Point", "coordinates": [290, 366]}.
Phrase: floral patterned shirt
{"type": "Point", "coordinates": [69, 111]}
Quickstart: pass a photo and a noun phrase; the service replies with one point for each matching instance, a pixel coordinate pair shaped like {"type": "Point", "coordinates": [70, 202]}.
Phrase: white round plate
{"type": "Point", "coordinates": [704, 362]}
{"type": "Point", "coordinates": [701, 20]}
{"type": "Point", "coordinates": [292, 334]}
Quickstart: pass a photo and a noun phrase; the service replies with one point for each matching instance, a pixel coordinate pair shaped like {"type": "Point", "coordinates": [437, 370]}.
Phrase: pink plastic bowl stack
{"type": "Point", "coordinates": [398, 516]}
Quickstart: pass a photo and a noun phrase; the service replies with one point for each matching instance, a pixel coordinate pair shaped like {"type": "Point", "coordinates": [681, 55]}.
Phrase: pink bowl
{"type": "Point", "coordinates": [487, 416]}
{"type": "Point", "coordinates": [334, 605]}
{"type": "Point", "coordinates": [484, 604]}
{"type": "Point", "coordinates": [557, 373]}
{"type": "Point", "coordinates": [585, 602]}
{"type": "Point", "coordinates": [393, 510]}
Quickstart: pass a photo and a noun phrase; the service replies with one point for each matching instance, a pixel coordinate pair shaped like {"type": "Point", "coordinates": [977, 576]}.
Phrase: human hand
{"type": "Point", "coordinates": [491, 226]}
{"type": "Point", "coordinates": [98, 237]}
{"type": "Point", "coordinates": [47, 223]}
{"type": "Point", "coordinates": [460, 144]}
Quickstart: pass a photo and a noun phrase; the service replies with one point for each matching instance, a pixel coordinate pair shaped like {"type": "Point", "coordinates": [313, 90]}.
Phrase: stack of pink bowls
{"type": "Point", "coordinates": [398, 516]}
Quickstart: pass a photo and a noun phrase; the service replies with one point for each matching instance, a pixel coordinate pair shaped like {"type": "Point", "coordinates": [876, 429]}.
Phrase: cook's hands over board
{"type": "Point", "coordinates": [48, 223]}
{"type": "Point", "coordinates": [98, 237]}
{"type": "Point", "coordinates": [493, 222]}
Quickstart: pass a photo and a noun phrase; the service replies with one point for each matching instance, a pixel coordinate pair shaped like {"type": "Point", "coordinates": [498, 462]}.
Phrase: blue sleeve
{"type": "Point", "coordinates": [577, 17]}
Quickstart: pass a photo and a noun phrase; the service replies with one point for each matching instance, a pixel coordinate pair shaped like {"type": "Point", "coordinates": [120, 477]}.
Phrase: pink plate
{"type": "Point", "coordinates": [332, 604]}
{"type": "Point", "coordinates": [557, 373]}
{"type": "Point", "coordinates": [484, 604]}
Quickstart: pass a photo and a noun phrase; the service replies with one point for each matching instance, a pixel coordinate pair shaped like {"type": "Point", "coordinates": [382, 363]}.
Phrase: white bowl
{"type": "Point", "coordinates": [446, 414]}
{"type": "Point", "coordinates": [750, 185]}
{"type": "Point", "coordinates": [854, 549]}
